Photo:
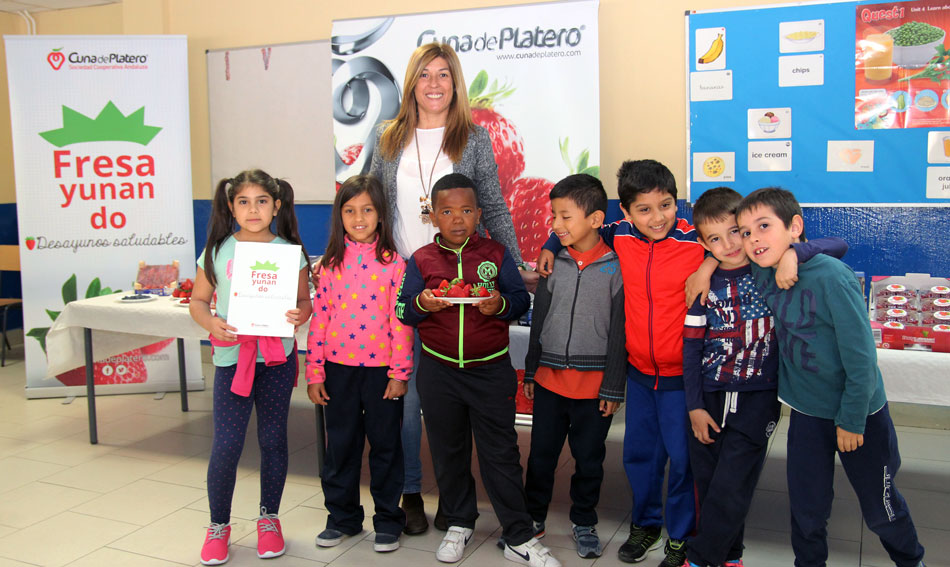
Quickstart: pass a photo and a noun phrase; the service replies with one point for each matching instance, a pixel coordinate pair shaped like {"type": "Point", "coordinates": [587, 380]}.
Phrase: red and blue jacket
{"type": "Point", "coordinates": [460, 336]}
{"type": "Point", "coordinates": [654, 283]}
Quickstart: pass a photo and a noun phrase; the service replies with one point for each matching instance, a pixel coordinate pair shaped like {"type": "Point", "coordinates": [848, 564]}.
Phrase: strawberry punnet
{"type": "Point", "coordinates": [506, 142]}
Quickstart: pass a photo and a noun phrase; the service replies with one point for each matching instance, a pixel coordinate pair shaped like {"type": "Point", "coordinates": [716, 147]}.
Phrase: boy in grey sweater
{"type": "Point", "coordinates": [575, 370]}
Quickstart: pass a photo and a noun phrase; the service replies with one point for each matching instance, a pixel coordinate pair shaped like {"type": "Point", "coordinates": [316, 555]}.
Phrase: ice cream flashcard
{"type": "Point", "coordinates": [769, 123]}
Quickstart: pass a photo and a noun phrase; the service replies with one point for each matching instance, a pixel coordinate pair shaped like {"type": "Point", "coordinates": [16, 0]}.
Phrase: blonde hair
{"type": "Point", "coordinates": [459, 122]}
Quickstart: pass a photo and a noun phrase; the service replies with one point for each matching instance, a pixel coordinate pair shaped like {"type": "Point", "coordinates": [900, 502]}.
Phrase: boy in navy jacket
{"type": "Point", "coordinates": [730, 374]}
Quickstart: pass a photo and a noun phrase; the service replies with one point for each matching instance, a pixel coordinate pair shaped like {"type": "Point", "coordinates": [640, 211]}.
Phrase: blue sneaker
{"type": "Point", "coordinates": [587, 542]}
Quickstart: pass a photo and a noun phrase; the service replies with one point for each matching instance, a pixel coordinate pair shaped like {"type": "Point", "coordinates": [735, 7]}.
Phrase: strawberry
{"type": "Point", "coordinates": [456, 291]}
{"type": "Point", "coordinates": [443, 288]}
{"type": "Point", "coordinates": [506, 142]}
{"type": "Point", "coordinates": [350, 153]}
{"type": "Point", "coordinates": [480, 291]}
{"type": "Point", "coordinates": [176, 292]}
{"type": "Point", "coordinates": [530, 214]}
{"type": "Point", "coordinates": [126, 368]}
{"type": "Point", "coordinates": [188, 285]}
{"type": "Point", "coordinates": [467, 290]}
{"type": "Point", "coordinates": [157, 347]}
{"type": "Point", "coordinates": [528, 202]}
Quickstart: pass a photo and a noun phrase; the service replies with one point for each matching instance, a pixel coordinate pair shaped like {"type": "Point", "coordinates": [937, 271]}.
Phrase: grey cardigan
{"type": "Point", "coordinates": [478, 163]}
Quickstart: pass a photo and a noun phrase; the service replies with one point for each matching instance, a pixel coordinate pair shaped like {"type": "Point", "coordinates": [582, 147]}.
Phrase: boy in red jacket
{"type": "Point", "coordinates": [657, 253]}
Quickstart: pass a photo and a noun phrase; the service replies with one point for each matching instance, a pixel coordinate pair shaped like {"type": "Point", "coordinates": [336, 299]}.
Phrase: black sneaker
{"type": "Point", "coordinates": [675, 551]}
{"type": "Point", "coordinates": [642, 541]}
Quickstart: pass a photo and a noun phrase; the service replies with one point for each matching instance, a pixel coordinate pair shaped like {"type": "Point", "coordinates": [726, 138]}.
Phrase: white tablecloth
{"type": "Point", "coordinates": [916, 377]}
{"type": "Point", "coordinates": [119, 327]}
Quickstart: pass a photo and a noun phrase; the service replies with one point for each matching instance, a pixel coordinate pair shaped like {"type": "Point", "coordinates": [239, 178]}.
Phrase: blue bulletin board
{"type": "Point", "coordinates": [772, 102]}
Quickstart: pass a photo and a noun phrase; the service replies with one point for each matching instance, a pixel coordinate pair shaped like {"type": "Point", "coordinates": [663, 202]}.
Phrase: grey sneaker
{"type": "Point", "coordinates": [330, 538]}
{"type": "Point", "coordinates": [587, 542]}
{"type": "Point", "coordinates": [385, 543]}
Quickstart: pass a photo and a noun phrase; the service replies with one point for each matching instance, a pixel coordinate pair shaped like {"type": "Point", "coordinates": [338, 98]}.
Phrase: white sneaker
{"type": "Point", "coordinates": [531, 553]}
{"type": "Point", "coordinates": [453, 544]}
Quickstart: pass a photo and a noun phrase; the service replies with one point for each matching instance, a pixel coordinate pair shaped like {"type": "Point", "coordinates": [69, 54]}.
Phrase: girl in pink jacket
{"type": "Point", "coordinates": [359, 359]}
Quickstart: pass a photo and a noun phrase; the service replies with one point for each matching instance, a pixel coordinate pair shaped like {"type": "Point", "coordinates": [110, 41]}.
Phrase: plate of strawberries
{"type": "Point", "coordinates": [457, 291]}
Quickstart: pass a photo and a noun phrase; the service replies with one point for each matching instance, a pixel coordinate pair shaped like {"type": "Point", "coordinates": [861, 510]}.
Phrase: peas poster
{"type": "Point", "coordinates": [843, 103]}
{"type": "Point", "coordinates": [902, 66]}
{"type": "Point", "coordinates": [101, 151]}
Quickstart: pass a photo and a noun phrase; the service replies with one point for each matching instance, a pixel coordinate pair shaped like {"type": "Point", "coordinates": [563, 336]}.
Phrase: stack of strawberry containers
{"type": "Point", "coordinates": [911, 312]}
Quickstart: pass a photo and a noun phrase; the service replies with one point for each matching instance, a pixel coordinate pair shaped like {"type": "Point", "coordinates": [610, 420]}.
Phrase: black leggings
{"type": "Point", "coordinates": [273, 386]}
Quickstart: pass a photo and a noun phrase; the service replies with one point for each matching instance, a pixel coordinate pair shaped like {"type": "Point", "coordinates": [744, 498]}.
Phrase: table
{"type": "Point", "coordinates": [915, 377]}
{"type": "Point", "coordinates": [115, 328]}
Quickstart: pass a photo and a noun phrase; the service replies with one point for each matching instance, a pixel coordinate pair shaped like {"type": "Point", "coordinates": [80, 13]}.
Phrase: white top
{"type": "Point", "coordinates": [408, 229]}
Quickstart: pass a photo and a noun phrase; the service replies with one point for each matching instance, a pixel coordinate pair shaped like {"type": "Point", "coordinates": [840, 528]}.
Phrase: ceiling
{"type": "Point", "coordinates": [45, 5]}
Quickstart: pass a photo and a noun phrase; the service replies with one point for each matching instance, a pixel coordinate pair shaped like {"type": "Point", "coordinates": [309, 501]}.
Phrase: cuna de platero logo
{"type": "Point", "coordinates": [56, 58]}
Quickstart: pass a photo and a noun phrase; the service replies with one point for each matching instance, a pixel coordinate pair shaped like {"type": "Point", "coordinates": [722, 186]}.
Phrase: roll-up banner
{"type": "Point", "coordinates": [102, 156]}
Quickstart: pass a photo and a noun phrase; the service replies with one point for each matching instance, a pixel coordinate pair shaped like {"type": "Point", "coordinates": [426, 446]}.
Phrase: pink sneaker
{"type": "Point", "coordinates": [215, 549]}
{"type": "Point", "coordinates": [270, 540]}
{"type": "Point", "coordinates": [733, 563]}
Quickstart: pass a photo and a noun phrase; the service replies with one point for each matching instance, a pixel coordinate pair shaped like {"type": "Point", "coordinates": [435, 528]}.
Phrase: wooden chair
{"type": "Point", "coordinates": [9, 262]}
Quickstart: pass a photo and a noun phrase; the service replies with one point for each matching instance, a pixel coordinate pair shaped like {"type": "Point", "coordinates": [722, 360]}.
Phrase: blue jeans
{"type": "Point", "coordinates": [412, 427]}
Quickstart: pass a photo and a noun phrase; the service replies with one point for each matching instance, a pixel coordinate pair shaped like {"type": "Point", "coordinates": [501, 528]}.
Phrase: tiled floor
{"type": "Point", "coordinates": [137, 498]}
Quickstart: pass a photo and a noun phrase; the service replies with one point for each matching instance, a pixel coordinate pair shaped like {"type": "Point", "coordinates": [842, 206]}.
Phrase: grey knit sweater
{"type": "Point", "coordinates": [478, 163]}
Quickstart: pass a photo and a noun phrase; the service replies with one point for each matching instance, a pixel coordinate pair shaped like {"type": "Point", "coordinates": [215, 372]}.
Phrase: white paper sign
{"type": "Point", "coordinates": [263, 288]}
{"type": "Point", "coordinates": [770, 156]}
{"type": "Point", "coordinates": [710, 85]}
{"type": "Point", "coordinates": [851, 155]}
{"type": "Point", "coordinates": [801, 70]}
{"type": "Point", "coordinates": [938, 182]}
{"type": "Point", "coordinates": [770, 123]}
{"type": "Point", "coordinates": [797, 37]}
{"type": "Point", "coordinates": [714, 166]}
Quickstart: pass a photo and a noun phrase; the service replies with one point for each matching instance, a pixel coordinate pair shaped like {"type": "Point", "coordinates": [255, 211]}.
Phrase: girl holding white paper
{"type": "Point", "coordinates": [250, 371]}
{"type": "Point", "coordinates": [359, 359]}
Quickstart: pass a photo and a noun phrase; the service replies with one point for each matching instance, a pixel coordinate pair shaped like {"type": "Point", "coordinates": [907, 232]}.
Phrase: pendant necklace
{"type": "Point", "coordinates": [424, 202]}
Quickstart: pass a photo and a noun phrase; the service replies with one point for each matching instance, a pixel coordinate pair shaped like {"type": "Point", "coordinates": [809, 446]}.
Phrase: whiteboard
{"type": "Point", "coordinates": [269, 108]}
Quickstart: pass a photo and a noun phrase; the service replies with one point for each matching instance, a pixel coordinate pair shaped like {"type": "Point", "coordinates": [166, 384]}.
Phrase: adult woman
{"type": "Point", "coordinates": [433, 135]}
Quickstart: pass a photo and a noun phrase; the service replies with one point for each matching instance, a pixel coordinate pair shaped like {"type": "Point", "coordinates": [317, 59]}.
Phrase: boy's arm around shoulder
{"type": "Point", "coordinates": [316, 338]}
{"type": "Point", "coordinates": [694, 337]}
{"type": "Point", "coordinates": [542, 303]}
{"type": "Point", "coordinates": [514, 295]}
{"type": "Point", "coordinates": [400, 362]}
{"type": "Point", "coordinates": [408, 309]}
{"type": "Point", "coordinates": [855, 345]}
{"type": "Point", "coordinates": [829, 245]}
{"type": "Point", "coordinates": [613, 385]}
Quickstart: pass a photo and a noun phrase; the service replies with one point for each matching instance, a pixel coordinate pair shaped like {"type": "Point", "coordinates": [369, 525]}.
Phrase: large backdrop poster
{"type": "Point", "coordinates": [532, 76]}
{"type": "Point", "coordinates": [101, 149]}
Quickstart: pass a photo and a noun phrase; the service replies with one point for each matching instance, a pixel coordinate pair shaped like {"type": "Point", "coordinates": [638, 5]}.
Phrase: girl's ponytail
{"type": "Point", "coordinates": [286, 221]}
{"type": "Point", "coordinates": [220, 226]}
